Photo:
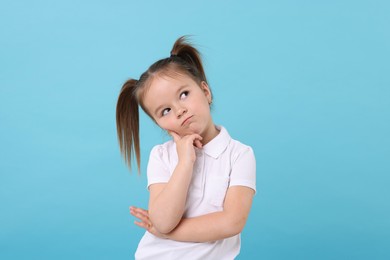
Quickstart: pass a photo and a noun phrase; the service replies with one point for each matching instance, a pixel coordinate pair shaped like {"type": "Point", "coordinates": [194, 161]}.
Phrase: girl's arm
{"type": "Point", "coordinates": [209, 227]}
{"type": "Point", "coordinates": [167, 200]}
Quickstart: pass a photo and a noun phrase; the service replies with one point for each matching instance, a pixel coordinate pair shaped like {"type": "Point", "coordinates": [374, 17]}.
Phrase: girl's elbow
{"type": "Point", "coordinates": [164, 229]}
{"type": "Point", "coordinates": [163, 226]}
{"type": "Point", "coordinates": [236, 226]}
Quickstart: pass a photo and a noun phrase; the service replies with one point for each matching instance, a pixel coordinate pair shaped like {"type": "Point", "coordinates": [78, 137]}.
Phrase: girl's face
{"type": "Point", "coordinates": [180, 105]}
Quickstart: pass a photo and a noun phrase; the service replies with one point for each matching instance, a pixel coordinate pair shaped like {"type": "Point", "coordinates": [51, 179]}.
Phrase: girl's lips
{"type": "Point", "coordinates": [186, 120]}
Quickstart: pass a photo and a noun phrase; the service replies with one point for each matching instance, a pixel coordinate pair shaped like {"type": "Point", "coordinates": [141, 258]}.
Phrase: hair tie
{"type": "Point", "coordinates": [173, 55]}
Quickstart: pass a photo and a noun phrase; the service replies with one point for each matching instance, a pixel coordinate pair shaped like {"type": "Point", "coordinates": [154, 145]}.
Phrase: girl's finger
{"type": "Point", "coordinates": [137, 214]}
{"type": "Point", "coordinates": [140, 216]}
{"type": "Point", "coordinates": [196, 137]}
{"type": "Point", "coordinates": [142, 225]}
{"type": "Point", "coordinates": [174, 135]}
{"type": "Point", "coordinates": [196, 140]}
{"type": "Point", "coordinates": [197, 143]}
{"type": "Point", "coordinates": [141, 211]}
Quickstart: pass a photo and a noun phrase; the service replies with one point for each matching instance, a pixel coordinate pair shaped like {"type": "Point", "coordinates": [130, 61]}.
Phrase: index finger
{"type": "Point", "coordinates": [174, 135]}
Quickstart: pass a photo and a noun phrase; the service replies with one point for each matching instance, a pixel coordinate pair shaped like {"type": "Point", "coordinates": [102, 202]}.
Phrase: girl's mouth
{"type": "Point", "coordinates": [186, 120]}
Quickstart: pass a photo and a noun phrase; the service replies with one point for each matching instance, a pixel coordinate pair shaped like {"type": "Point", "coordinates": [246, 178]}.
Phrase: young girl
{"type": "Point", "coordinates": [202, 182]}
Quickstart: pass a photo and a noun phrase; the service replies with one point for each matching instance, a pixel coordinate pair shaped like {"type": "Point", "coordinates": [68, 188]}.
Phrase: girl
{"type": "Point", "coordinates": [202, 182]}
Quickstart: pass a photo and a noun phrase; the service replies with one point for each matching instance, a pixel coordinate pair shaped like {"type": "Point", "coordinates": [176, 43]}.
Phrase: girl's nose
{"type": "Point", "coordinates": [181, 111]}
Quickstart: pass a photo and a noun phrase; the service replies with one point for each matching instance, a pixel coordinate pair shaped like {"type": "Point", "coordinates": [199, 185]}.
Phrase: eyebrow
{"type": "Point", "coordinates": [161, 106]}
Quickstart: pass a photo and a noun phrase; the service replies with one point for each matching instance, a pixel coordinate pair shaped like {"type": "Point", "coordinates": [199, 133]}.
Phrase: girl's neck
{"type": "Point", "coordinates": [210, 134]}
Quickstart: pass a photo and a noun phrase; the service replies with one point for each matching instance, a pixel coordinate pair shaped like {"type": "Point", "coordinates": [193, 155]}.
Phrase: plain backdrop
{"type": "Point", "coordinates": [305, 83]}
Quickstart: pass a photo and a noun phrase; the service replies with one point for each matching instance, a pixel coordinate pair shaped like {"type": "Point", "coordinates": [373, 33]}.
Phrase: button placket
{"type": "Point", "coordinates": [202, 172]}
{"type": "Point", "coordinates": [196, 178]}
{"type": "Point", "coordinates": [198, 175]}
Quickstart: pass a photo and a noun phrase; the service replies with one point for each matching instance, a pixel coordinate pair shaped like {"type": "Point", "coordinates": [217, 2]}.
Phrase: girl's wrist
{"type": "Point", "coordinates": [186, 164]}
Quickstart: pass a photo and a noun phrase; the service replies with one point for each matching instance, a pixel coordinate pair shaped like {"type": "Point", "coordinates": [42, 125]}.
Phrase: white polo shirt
{"type": "Point", "coordinates": [220, 164]}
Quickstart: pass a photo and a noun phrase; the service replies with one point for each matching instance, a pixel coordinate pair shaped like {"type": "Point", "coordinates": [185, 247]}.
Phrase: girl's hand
{"type": "Point", "coordinates": [143, 216]}
{"type": "Point", "coordinates": [185, 146]}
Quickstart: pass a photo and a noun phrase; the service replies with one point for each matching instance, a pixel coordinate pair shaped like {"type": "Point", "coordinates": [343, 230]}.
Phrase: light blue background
{"type": "Point", "coordinates": [305, 83]}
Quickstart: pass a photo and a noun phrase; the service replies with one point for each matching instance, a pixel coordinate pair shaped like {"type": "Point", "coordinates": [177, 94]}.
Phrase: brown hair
{"type": "Point", "coordinates": [184, 59]}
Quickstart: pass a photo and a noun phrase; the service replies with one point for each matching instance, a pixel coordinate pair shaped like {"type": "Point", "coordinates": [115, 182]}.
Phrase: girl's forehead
{"type": "Point", "coordinates": [163, 82]}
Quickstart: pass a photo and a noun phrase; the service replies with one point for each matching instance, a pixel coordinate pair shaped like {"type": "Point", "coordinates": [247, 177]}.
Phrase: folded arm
{"type": "Point", "coordinates": [209, 227]}
{"type": "Point", "coordinates": [167, 200]}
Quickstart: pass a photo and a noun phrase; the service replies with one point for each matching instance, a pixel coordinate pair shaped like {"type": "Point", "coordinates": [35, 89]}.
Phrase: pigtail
{"type": "Point", "coordinates": [127, 123]}
{"type": "Point", "coordinates": [185, 51]}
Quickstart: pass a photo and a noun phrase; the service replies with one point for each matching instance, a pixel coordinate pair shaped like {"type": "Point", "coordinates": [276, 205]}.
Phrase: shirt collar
{"type": "Point", "coordinates": [218, 144]}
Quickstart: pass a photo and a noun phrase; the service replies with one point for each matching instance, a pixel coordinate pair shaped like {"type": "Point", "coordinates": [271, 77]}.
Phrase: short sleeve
{"type": "Point", "coordinates": [244, 169]}
{"type": "Point", "coordinates": [158, 170]}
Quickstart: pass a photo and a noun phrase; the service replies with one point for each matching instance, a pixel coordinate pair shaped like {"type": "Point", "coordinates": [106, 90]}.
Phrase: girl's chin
{"type": "Point", "coordinates": [184, 133]}
{"type": "Point", "coordinates": [187, 131]}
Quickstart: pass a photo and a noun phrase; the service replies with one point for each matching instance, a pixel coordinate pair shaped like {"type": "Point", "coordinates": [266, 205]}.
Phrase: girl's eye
{"type": "Point", "coordinates": [165, 111]}
{"type": "Point", "coordinates": [184, 94]}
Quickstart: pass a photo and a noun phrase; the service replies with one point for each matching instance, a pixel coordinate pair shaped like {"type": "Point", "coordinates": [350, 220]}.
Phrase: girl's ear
{"type": "Point", "coordinates": [205, 87]}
